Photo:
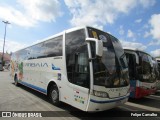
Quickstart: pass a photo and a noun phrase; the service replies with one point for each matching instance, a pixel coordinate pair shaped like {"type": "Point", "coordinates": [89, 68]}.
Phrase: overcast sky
{"type": "Point", "coordinates": [136, 23]}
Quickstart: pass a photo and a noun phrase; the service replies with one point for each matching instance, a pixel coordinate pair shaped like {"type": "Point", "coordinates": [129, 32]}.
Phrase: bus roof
{"type": "Point", "coordinates": [61, 33]}
{"type": "Point", "coordinates": [56, 35]}
{"type": "Point", "coordinates": [135, 49]}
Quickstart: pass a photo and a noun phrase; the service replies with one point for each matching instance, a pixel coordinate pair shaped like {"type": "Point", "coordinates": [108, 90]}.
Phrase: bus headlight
{"type": "Point", "coordinates": [100, 94]}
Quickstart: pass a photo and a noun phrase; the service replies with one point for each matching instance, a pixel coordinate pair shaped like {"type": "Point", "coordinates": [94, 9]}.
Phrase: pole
{"type": "Point", "coordinates": [5, 22]}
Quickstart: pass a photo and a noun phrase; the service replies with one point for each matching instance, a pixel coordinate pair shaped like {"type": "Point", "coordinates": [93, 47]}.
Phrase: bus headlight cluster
{"type": "Point", "coordinates": [100, 94]}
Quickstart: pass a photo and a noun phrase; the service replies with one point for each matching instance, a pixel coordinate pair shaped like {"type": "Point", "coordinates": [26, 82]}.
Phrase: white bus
{"type": "Point", "coordinates": [84, 67]}
{"type": "Point", "coordinates": [141, 72]}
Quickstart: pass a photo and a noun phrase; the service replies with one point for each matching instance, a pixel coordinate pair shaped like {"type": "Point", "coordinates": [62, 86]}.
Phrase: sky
{"type": "Point", "coordinates": [136, 23]}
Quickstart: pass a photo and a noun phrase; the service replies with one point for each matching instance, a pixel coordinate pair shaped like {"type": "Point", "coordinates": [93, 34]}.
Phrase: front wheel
{"type": "Point", "coordinates": [54, 95]}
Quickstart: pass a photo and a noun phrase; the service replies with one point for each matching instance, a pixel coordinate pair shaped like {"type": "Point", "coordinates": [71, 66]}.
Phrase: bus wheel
{"type": "Point", "coordinates": [54, 95]}
{"type": "Point", "coordinates": [16, 80]}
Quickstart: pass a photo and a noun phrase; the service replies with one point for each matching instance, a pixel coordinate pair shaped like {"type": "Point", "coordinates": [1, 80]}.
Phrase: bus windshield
{"type": "Point", "coordinates": [147, 68]}
{"type": "Point", "coordinates": [111, 70]}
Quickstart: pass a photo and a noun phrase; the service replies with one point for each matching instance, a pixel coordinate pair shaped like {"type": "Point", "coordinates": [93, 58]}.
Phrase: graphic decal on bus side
{"type": "Point", "coordinates": [20, 67]}
{"type": "Point", "coordinates": [12, 68]}
{"type": "Point", "coordinates": [55, 68]}
{"type": "Point", "coordinates": [59, 76]}
{"type": "Point", "coordinates": [79, 99]}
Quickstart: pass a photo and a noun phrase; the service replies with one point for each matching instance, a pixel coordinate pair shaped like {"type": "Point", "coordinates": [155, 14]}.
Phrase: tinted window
{"type": "Point", "coordinates": [20, 55]}
{"type": "Point", "coordinates": [23, 54]}
{"type": "Point", "coordinates": [159, 69]}
{"type": "Point", "coordinates": [50, 48]}
{"type": "Point", "coordinates": [36, 51]}
{"type": "Point", "coordinates": [147, 74]}
{"type": "Point", "coordinates": [159, 66]}
{"type": "Point", "coordinates": [54, 47]}
{"type": "Point", "coordinates": [77, 58]}
{"type": "Point", "coordinates": [146, 64]}
{"type": "Point", "coordinates": [119, 51]}
{"type": "Point", "coordinates": [110, 70]}
{"type": "Point", "coordinates": [73, 41]}
{"type": "Point", "coordinates": [40, 50]}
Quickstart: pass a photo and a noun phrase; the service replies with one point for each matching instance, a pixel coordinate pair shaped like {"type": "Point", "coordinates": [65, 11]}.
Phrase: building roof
{"type": "Point", "coordinates": [7, 56]}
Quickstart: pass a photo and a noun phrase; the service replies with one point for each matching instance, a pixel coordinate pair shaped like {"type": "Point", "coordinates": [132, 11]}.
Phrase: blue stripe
{"type": "Point", "coordinates": [34, 87]}
{"type": "Point", "coordinates": [133, 88]}
{"type": "Point", "coordinates": [108, 101]}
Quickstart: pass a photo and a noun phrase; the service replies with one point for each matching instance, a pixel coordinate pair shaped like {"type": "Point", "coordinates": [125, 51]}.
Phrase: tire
{"type": "Point", "coordinates": [16, 80]}
{"type": "Point", "coordinates": [54, 95]}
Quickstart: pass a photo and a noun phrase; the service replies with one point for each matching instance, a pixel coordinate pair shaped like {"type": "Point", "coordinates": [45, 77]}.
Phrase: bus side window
{"type": "Point", "coordinates": [81, 74]}
{"type": "Point", "coordinates": [54, 47]}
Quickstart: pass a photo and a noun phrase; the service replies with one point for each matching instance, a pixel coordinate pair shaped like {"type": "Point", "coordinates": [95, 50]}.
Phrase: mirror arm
{"type": "Point", "coordinates": [97, 57]}
{"type": "Point", "coordinates": [90, 59]}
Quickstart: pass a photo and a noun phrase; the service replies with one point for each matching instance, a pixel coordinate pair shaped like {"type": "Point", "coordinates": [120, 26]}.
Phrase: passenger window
{"type": "Point", "coordinates": [54, 47]}
{"type": "Point", "coordinates": [49, 48]}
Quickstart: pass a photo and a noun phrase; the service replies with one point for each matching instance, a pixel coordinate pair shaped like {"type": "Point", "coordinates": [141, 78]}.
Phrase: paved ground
{"type": "Point", "coordinates": [21, 98]}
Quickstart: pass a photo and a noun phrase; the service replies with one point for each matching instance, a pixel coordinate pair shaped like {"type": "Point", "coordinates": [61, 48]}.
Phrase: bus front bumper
{"type": "Point", "coordinates": [141, 92]}
{"type": "Point", "coordinates": [96, 104]}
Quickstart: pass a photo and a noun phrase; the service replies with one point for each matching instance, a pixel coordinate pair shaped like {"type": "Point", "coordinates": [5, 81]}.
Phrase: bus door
{"type": "Point", "coordinates": [79, 77]}
{"type": "Point", "coordinates": [131, 59]}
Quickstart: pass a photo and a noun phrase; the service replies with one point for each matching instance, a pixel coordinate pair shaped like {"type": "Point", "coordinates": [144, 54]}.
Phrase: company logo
{"type": "Point", "coordinates": [55, 68]}
{"type": "Point", "coordinates": [103, 38]}
{"type": "Point", "coordinates": [41, 65]}
{"type": "Point", "coordinates": [36, 64]}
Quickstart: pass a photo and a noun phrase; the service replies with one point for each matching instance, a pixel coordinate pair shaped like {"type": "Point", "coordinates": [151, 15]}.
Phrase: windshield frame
{"type": "Point", "coordinates": [117, 72]}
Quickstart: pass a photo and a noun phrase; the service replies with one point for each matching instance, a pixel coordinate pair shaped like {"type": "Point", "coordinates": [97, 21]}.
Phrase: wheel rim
{"type": "Point", "coordinates": [54, 95]}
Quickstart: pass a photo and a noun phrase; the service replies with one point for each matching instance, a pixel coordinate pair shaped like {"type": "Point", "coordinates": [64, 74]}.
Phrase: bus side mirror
{"type": "Point", "coordinates": [98, 46]}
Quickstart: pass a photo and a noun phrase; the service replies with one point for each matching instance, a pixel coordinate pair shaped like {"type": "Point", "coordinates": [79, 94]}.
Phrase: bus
{"type": "Point", "coordinates": [158, 62]}
{"type": "Point", "coordinates": [158, 80]}
{"type": "Point", "coordinates": [83, 67]}
{"type": "Point", "coordinates": [141, 73]}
